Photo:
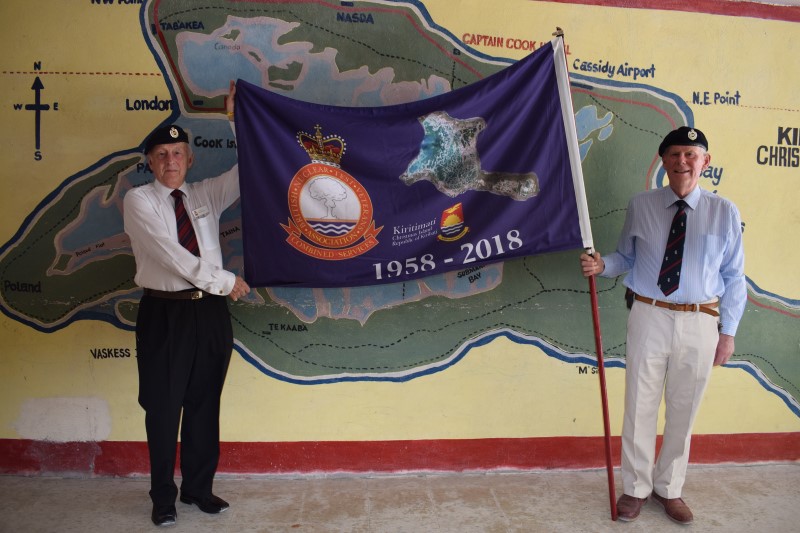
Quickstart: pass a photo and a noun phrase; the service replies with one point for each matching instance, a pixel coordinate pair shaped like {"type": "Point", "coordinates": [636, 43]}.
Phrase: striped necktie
{"type": "Point", "coordinates": [186, 234]}
{"type": "Point", "coordinates": [670, 275]}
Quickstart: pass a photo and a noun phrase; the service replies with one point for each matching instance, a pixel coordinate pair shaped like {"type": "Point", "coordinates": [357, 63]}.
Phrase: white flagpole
{"type": "Point", "coordinates": [568, 115]}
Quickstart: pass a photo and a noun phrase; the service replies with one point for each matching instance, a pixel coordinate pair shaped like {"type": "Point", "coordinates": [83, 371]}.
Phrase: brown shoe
{"type": "Point", "coordinates": [628, 507]}
{"type": "Point", "coordinates": [675, 508]}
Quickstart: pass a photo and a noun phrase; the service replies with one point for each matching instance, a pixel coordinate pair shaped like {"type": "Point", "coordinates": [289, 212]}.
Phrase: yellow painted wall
{"type": "Point", "coordinates": [52, 388]}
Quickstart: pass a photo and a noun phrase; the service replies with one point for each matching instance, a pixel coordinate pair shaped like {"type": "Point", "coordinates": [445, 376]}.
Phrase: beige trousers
{"type": "Point", "coordinates": [670, 354]}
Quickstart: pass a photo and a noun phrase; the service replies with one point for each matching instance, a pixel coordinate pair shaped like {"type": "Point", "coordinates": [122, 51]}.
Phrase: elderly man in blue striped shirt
{"type": "Point", "coordinates": [682, 249]}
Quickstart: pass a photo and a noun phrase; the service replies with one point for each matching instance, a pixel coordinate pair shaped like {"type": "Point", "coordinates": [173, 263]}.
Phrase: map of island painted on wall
{"type": "Point", "coordinates": [71, 261]}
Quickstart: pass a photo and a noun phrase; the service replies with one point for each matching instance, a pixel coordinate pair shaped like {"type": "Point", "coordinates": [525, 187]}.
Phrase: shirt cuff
{"type": "Point", "coordinates": [612, 266]}
{"type": "Point", "coordinates": [222, 286]}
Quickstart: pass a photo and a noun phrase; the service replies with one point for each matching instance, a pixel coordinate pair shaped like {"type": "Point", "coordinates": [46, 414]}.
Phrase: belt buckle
{"type": "Point", "coordinates": [673, 306]}
{"type": "Point", "coordinates": [196, 295]}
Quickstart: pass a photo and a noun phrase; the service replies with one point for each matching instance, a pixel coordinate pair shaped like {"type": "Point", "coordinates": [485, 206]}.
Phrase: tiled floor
{"type": "Point", "coordinates": [730, 499]}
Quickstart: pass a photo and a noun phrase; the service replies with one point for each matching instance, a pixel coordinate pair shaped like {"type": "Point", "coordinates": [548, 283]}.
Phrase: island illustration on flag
{"type": "Point", "coordinates": [449, 159]}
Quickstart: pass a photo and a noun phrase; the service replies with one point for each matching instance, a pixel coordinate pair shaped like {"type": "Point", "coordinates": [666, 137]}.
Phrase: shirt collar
{"type": "Point", "coordinates": [692, 199]}
{"type": "Point", "coordinates": [164, 192]}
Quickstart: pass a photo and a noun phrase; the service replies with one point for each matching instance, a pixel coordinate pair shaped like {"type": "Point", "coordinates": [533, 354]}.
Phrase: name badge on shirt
{"type": "Point", "coordinates": [200, 212]}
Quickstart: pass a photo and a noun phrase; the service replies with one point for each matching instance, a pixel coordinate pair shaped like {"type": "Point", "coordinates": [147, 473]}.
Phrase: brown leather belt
{"type": "Point", "coordinates": [190, 294]}
{"type": "Point", "coordinates": [707, 308]}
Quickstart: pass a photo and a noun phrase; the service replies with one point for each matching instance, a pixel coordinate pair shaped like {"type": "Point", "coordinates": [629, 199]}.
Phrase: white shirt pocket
{"type": "Point", "coordinates": [207, 230]}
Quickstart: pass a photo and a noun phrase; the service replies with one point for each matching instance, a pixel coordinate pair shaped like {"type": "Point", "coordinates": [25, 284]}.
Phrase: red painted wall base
{"type": "Point", "coordinates": [113, 458]}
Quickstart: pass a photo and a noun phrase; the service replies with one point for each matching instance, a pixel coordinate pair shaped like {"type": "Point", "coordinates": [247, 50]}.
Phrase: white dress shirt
{"type": "Point", "coordinates": [162, 263]}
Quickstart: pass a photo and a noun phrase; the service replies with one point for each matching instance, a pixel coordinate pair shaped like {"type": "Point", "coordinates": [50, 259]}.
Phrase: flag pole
{"type": "Point", "coordinates": [586, 230]}
{"type": "Point", "coordinates": [601, 372]}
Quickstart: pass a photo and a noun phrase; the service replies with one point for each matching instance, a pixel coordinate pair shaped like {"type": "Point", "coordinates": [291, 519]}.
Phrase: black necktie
{"type": "Point", "coordinates": [670, 275]}
{"type": "Point", "coordinates": [186, 234]}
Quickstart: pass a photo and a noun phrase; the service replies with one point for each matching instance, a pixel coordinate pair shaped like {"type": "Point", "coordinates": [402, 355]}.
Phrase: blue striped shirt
{"type": "Point", "coordinates": [713, 255]}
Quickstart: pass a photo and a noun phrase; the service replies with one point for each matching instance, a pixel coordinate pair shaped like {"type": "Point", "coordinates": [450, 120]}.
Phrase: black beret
{"type": "Point", "coordinates": [683, 136]}
{"type": "Point", "coordinates": [166, 135]}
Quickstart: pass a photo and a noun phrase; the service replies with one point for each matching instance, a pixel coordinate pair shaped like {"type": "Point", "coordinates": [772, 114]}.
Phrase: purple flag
{"type": "Point", "coordinates": [348, 196]}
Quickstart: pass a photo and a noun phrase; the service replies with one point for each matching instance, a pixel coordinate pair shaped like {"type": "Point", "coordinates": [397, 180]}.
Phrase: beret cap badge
{"type": "Point", "coordinates": [683, 136]}
{"type": "Point", "coordinates": [169, 134]}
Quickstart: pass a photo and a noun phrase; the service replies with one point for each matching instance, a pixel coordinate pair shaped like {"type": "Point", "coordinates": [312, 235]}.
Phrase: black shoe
{"type": "Point", "coordinates": [164, 515]}
{"type": "Point", "coordinates": [210, 504]}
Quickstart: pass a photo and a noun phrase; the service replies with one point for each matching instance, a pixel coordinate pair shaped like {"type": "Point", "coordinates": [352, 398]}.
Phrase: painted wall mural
{"type": "Point", "coordinates": [444, 357]}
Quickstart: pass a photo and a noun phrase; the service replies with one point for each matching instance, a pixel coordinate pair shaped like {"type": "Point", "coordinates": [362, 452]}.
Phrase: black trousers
{"type": "Point", "coordinates": [183, 351]}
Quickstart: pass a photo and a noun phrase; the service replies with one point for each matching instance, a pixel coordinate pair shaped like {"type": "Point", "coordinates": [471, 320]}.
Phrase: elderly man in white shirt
{"type": "Point", "coordinates": [184, 337]}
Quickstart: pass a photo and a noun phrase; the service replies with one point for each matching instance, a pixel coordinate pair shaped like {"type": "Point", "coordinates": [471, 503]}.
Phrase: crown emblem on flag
{"type": "Point", "coordinates": [328, 150]}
